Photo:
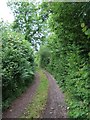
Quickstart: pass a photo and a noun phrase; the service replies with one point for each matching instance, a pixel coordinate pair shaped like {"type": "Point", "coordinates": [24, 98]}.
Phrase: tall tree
{"type": "Point", "coordinates": [29, 21]}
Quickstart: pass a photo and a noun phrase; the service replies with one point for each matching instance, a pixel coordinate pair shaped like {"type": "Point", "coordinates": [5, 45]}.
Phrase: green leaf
{"type": "Point", "coordinates": [82, 25]}
{"type": "Point", "coordinates": [88, 32]}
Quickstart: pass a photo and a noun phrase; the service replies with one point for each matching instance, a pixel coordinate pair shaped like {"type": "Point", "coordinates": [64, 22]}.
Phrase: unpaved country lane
{"type": "Point", "coordinates": [19, 105]}
{"type": "Point", "coordinates": [56, 107]}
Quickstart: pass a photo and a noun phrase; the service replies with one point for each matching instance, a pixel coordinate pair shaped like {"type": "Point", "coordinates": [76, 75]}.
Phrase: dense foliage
{"type": "Point", "coordinates": [44, 54]}
{"type": "Point", "coordinates": [17, 64]}
{"type": "Point", "coordinates": [29, 21]}
{"type": "Point", "coordinates": [64, 29]}
{"type": "Point", "coordinates": [69, 45]}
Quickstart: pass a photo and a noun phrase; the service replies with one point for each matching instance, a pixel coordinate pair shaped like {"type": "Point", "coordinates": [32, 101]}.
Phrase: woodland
{"type": "Point", "coordinates": [54, 36]}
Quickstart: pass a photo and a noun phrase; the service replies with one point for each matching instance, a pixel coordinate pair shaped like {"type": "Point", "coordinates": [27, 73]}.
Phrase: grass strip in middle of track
{"type": "Point", "coordinates": [39, 101]}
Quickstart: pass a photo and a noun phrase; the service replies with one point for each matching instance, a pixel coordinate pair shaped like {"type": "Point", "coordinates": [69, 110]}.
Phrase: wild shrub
{"type": "Point", "coordinates": [17, 65]}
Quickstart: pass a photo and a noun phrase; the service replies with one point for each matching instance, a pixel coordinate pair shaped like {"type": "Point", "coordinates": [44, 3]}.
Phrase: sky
{"type": "Point", "coordinates": [5, 12]}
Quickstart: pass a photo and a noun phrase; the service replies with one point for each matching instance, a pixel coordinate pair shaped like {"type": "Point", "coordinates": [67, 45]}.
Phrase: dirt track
{"type": "Point", "coordinates": [21, 103]}
{"type": "Point", "coordinates": [55, 107]}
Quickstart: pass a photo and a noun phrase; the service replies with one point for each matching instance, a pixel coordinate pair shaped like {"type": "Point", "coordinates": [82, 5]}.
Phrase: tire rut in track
{"type": "Point", "coordinates": [56, 107]}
